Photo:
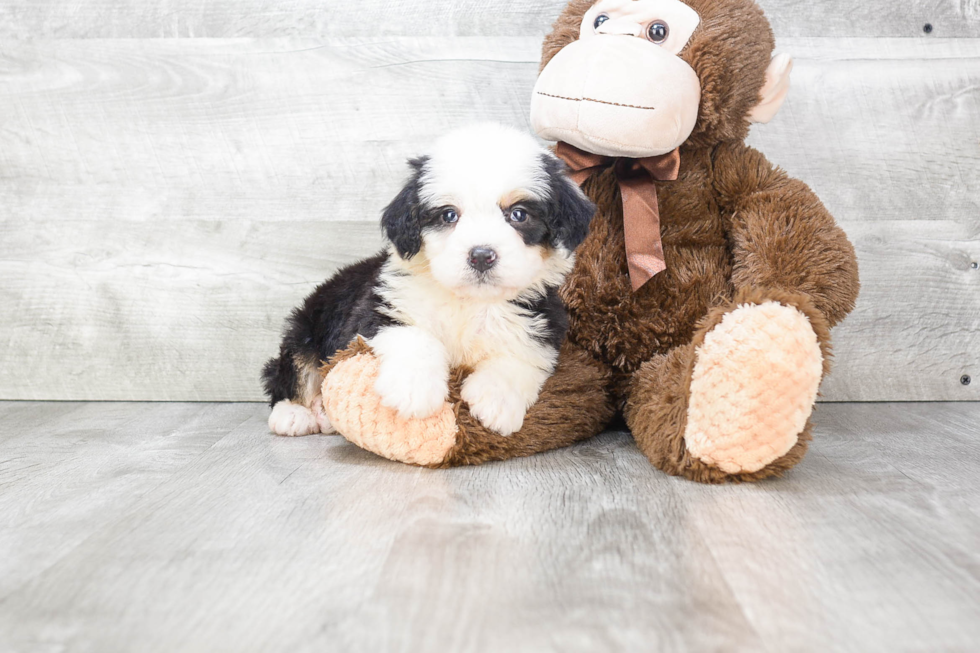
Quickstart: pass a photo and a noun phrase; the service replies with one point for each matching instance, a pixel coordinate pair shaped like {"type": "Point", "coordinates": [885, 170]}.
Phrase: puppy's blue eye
{"type": "Point", "coordinates": [600, 19]}
{"type": "Point", "coordinates": [450, 216]}
{"type": "Point", "coordinates": [518, 215]}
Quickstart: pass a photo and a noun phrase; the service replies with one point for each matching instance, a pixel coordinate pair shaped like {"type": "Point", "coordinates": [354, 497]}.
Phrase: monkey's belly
{"type": "Point", "coordinates": [625, 328]}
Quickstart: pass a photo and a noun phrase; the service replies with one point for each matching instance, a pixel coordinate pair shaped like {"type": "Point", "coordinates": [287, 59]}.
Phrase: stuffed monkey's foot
{"type": "Point", "coordinates": [355, 410]}
{"type": "Point", "coordinates": [753, 387]}
{"type": "Point", "coordinates": [292, 419]}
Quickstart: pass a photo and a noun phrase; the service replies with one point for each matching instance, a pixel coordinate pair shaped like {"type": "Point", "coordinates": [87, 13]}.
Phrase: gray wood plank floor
{"type": "Point", "coordinates": [186, 527]}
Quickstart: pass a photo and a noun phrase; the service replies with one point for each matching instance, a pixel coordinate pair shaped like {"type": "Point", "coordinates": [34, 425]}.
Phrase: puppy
{"type": "Point", "coordinates": [478, 242]}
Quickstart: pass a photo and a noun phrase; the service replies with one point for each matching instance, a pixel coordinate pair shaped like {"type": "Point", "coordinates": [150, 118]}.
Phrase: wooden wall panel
{"type": "Point", "coordinates": [157, 310]}
{"type": "Point", "coordinates": [916, 329]}
{"type": "Point", "coordinates": [295, 128]}
{"type": "Point", "coordinates": [29, 19]}
{"type": "Point", "coordinates": [165, 202]}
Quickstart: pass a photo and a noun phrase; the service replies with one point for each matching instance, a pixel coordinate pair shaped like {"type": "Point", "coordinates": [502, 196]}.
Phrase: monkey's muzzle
{"type": "Point", "coordinates": [616, 96]}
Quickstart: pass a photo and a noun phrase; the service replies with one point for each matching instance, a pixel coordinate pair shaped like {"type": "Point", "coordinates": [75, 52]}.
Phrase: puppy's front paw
{"type": "Point", "coordinates": [322, 421]}
{"type": "Point", "coordinates": [492, 400]}
{"type": "Point", "coordinates": [413, 391]}
{"type": "Point", "coordinates": [292, 419]}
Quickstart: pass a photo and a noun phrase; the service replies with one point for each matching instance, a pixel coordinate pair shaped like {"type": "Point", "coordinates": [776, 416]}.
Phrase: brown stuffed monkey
{"type": "Point", "coordinates": [701, 302]}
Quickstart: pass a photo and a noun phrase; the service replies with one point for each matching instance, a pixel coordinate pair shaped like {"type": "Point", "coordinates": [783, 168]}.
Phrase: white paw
{"type": "Point", "coordinates": [322, 421]}
{"type": "Point", "coordinates": [493, 401]}
{"type": "Point", "coordinates": [288, 418]}
{"type": "Point", "coordinates": [415, 391]}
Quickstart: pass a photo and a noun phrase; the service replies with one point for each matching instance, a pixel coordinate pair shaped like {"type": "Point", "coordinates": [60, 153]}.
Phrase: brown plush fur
{"type": "Point", "coordinates": [729, 222]}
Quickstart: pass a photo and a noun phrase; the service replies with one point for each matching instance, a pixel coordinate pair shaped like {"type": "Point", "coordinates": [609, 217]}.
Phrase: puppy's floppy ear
{"type": "Point", "coordinates": [401, 218]}
{"type": "Point", "coordinates": [569, 210]}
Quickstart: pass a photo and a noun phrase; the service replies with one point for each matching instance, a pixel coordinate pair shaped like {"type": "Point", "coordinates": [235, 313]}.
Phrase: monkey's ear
{"type": "Point", "coordinates": [774, 90]}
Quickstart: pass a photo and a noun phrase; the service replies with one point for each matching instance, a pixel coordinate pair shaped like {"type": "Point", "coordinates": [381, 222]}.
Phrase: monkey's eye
{"type": "Point", "coordinates": [658, 31]}
{"type": "Point", "coordinates": [599, 20]}
{"type": "Point", "coordinates": [450, 216]}
{"type": "Point", "coordinates": [517, 215]}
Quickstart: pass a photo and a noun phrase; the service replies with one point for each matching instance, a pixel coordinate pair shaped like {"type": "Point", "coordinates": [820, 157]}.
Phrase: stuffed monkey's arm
{"type": "Point", "coordinates": [782, 237]}
{"type": "Point", "coordinates": [735, 402]}
{"type": "Point", "coordinates": [575, 403]}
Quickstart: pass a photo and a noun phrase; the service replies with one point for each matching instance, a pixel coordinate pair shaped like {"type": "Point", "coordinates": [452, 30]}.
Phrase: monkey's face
{"type": "Point", "coordinates": [621, 89]}
{"type": "Point", "coordinates": [638, 78]}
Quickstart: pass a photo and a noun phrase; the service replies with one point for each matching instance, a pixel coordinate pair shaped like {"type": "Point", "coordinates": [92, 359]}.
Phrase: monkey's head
{"type": "Point", "coordinates": [639, 78]}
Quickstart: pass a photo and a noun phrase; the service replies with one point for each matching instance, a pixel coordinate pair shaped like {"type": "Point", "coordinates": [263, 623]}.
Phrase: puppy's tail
{"type": "Point", "coordinates": [279, 378]}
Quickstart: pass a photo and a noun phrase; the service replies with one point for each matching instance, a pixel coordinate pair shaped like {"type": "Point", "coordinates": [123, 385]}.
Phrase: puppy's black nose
{"type": "Point", "coordinates": [482, 258]}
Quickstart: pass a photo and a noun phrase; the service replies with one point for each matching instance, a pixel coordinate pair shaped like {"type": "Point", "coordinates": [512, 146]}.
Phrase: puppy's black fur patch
{"type": "Point", "coordinates": [553, 310]}
{"type": "Point", "coordinates": [561, 220]}
{"type": "Point", "coordinates": [568, 211]}
{"type": "Point", "coordinates": [339, 309]}
{"type": "Point", "coordinates": [402, 218]}
{"type": "Point", "coordinates": [534, 230]}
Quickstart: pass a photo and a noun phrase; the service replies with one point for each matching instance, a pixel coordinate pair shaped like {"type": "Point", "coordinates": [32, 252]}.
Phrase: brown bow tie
{"type": "Point", "coordinates": [641, 212]}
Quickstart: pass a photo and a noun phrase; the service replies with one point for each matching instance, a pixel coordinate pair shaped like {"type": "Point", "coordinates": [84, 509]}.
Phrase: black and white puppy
{"type": "Point", "coordinates": [479, 241]}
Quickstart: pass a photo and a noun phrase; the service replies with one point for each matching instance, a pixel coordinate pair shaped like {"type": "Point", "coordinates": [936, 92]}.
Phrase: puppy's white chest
{"type": "Point", "coordinates": [472, 334]}
{"type": "Point", "coordinates": [472, 330]}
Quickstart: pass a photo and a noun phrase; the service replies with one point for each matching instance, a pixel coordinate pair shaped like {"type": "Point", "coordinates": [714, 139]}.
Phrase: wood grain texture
{"type": "Point", "coordinates": [158, 310]}
{"type": "Point", "coordinates": [916, 329]}
{"type": "Point", "coordinates": [84, 463]}
{"type": "Point", "coordinates": [167, 202]}
{"type": "Point", "coordinates": [176, 527]}
{"type": "Point", "coordinates": [307, 130]}
{"type": "Point", "coordinates": [27, 19]}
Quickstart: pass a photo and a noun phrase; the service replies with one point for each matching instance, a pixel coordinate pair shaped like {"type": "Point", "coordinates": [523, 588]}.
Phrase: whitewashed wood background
{"type": "Point", "coordinates": [176, 175]}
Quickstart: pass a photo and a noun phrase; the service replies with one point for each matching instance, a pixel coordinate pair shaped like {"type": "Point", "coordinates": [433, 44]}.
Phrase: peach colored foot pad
{"type": "Point", "coordinates": [355, 411]}
{"type": "Point", "coordinates": [753, 387]}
